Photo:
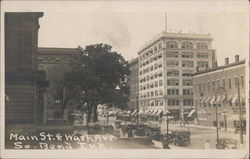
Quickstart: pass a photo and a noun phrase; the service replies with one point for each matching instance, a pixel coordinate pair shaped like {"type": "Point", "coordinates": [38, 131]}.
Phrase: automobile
{"type": "Point", "coordinates": [153, 132]}
{"type": "Point", "coordinates": [118, 124]}
{"type": "Point", "coordinates": [226, 143]}
{"type": "Point", "coordinates": [180, 137]}
{"type": "Point", "coordinates": [140, 130]}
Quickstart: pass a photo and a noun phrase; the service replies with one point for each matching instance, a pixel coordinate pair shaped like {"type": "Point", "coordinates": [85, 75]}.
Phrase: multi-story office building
{"type": "Point", "coordinates": [55, 61]}
{"type": "Point", "coordinates": [134, 84]}
{"type": "Point", "coordinates": [205, 85]}
{"type": "Point", "coordinates": [166, 64]}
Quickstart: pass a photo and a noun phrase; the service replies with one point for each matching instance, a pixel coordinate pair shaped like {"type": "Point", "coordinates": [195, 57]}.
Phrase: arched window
{"type": "Point", "coordinates": [172, 45]}
{"type": "Point", "coordinates": [187, 45]}
{"type": "Point", "coordinates": [202, 46]}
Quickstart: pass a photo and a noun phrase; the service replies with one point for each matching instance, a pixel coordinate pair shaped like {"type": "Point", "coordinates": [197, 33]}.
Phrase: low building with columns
{"type": "Point", "coordinates": [230, 80]}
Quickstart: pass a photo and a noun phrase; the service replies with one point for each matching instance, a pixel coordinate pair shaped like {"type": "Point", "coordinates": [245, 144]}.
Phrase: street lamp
{"type": "Point", "coordinates": [219, 91]}
{"type": "Point", "coordinates": [225, 118]}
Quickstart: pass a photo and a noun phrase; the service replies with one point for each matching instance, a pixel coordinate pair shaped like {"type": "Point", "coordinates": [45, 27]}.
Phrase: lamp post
{"type": "Point", "coordinates": [219, 91]}
{"type": "Point", "coordinates": [225, 118]}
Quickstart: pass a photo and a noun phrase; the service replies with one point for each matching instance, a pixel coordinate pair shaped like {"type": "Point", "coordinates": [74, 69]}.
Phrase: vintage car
{"type": "Point", "coordinates": [118, 124]}
{"type": "Point", "coordinates": [180, 137]}
{"type": "Point", "coordinates": [226, 143]}
{"type": "Point", "coordinates": [153, 132]}
{"type": "Point", "coordinates": [140, 130]}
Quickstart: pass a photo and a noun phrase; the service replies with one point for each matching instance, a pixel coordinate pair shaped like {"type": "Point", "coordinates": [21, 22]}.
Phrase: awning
{"type": "Point", "coordinates": [234, 99]}
{"type": "Point", "coordinates": [153, 112]}
{"type": "Point", "coordinates": [149, 112]}
{"type": "Point", "coordinates": [134, 112]}
{"type": "Point", "coordinates": [229, 98]}
{"type": "Point", "coordinates": [203, 99]}
{"type": "Point", "coordinates": [208, 99]}
{"type": "Point", "coordinates": [191, 113]}
{"type": "Point", "coordinates": [140, 112]}
{"type": "Point", "coordinates": [159, 112]}
{"type": "Point", "coordinates": [222, 99]}
{"type": "Point", "coordinates": [212, 100]}
{"type": "Point", "coordinates": [218, 99]}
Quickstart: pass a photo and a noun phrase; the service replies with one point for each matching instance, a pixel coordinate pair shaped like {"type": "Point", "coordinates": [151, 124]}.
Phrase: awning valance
{"type": "Point", "coordinates": [212, 100]}
{"type": "Point", "coordinates": [191, 113]}
{"type": "Point", "coordinates": [159, 112]}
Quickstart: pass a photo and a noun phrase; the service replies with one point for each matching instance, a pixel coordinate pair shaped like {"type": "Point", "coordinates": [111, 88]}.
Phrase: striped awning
{"type": "Point", "coordinates": [134, 112]}
{"type": "Point", "coordinates": [234, 99]}
{"type": "Point", "coordinates": [159, 112]}
{"type": "Point", "coordinates": [212, 100]}
{"type": "Point", "coordinates": [203, 99]}
{"type": "Point", "coordinates": [191, 113]}
{"type": "Point", "coordinates": [208, 99]}
{"type": "Point", "coordinates": [153, 112]}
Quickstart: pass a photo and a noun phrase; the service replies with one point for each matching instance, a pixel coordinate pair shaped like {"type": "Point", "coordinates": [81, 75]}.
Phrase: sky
{"type": "Point", "coordinates": [127, 26]}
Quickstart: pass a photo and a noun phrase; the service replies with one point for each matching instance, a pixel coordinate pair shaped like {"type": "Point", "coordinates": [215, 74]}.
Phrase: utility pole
{"type": "Point", "coordinates": [240, 113]}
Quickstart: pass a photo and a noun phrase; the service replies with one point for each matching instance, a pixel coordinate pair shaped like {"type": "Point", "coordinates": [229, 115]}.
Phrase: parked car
{"type": "Point", "coordinates": [180, 137]}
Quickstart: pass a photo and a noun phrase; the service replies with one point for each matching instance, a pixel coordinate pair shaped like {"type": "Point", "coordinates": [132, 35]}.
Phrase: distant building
{"type": "Point", "coordinates": [134, 84]}
{"type": "Point", "coordinates": [205, 85]}
{"type": "Point", "coordinates": [166, 64]}
{"type": "Point", "coordinates": [24, 84]}
{"type": "Point", "coordinates": [55, 61]}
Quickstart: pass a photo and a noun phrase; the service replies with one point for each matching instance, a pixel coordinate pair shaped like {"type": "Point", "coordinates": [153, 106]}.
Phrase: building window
{"type": "Point", "coordinates": [173, 73]}
{"type": "Point", "coordinates": [155, 48]}
{"type": "Point", "coordinates": [172, 54]}
{"type": "Point", "coordinates": [187, 82]}
{"type": "Point", "coordinates": [202, 46]}
{"type": "Point", "coordinates": [187, 64]}
{"type": "Point", "coordinates": [199, 87]}
{"type": "Point", "coordinates": [187, 73]}
{"type": "Point", "coordinates": [156, 83]}
{"type": "Point", "coordinates": [172, 45]}
{"type": "Point", "coordinates": [224, 83]}
{"type": "Point", "coordinates": [172, 63]}
{"type": "Point", "coordinates": [187, 102]}
{"type": "Point", "coordinates": [213, 85]}
{"type": "Point", "coordinates": [229, 83]}
{"type": "Point", "coordinates": [160, 92]}
{"type": "Point", "coordinates": [187, 55]}
{"type": "Point", "coordinates": [235, 82]}
{"type": "Point", "coordinates": [160, 45]}
{"type": "Point", "coordinates": [202, 64]}
{"type": "Point", "coordinates": [218, 83]}
{"type": "Point", "coordinates": [173, 91]}
{"type": "Point", "coordinates": [156, 93]}
{"type": "Point", "coordinates": [242, 81]}
{"type": "Point", "coordinates": [173, 102]}
{"type": "Point", "coordinates": [187, 92]}
{"type": "Point", "coordinates": [187, 45]}
{"type": "Point", "coordinates": [173, 82]}
{"type": "Point", "coordinates": [208, 86]}
{"type": "Point", "coordinates": [160, 83]}
{"type": "Point", "coordinates": [202, 55]}
{"type": "Point", "coordinates": [40, 59]}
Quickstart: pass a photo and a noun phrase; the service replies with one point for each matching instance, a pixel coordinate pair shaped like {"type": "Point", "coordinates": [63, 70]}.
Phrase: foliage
{"type": "Point", "coordinates": [102, 76]}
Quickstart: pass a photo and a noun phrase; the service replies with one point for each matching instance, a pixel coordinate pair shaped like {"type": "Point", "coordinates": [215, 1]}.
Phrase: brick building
{"type": "Point", "coordinates": [134, 84]}
{"type": "Point", "coordinates": [205, 85]}
{"type": "Point", "coordinates": [166, 64]}
{"type": "Point", "coordinates": [24, 85]}
{"type": "Point", "coordinates": [55, 61]}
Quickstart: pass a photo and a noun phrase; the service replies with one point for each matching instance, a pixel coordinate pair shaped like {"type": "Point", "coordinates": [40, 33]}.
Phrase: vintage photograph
{"type": "Point", "coordinates": [111, 78]}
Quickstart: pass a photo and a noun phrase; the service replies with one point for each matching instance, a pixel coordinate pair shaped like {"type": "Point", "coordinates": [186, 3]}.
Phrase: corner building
{"type": "Point", "coordinates": [166, 64]}
{"type": "Point", "coordinates": [133, 83]}
{"type": "Point", "coordinates": [205, 85]}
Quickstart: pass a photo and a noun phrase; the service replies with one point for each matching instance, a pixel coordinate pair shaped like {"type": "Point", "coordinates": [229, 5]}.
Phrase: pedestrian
{"type": "Point", "coordinates": [207, 145]}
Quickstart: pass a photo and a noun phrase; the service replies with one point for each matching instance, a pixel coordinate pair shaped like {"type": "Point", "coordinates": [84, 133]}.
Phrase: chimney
{"type": "Point", "coordinates": [237, 58]}
{"type": "Point", "coordinates": [226, 61]}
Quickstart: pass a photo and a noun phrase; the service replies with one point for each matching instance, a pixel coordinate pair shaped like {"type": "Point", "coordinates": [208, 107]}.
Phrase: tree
{"type": "Point", "coordinates": [59, 89]}
{"type": "Point", "coordinates": [102, 76]}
